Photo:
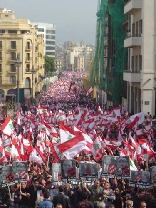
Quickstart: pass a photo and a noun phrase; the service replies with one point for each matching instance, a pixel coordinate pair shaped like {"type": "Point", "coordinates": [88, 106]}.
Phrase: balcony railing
{"type": "Point", "coordinates": [8, 82]}
{"type": "Point", "coordinates": [27, 70]}
{"type": "Point", "coordinates": [13, 70]}
{"type": "Point", "coordinates": [13, 48]}
{"type": "Point", "coordinates": [130, 35]}
{"type": "Point", "coordinates": [27, 48]}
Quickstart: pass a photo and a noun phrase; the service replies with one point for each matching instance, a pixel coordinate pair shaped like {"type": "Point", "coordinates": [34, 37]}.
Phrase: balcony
{"type": "Point", "coordinates": [130, 76]}
{"type": "Point", "coordinates": [133, 41]}
{"type": "Point", "coordinates": [28, 48]}
{"type": "Point", "coordinates": [132, 5]}
{"type": "Point", "coordinates": [12, 59]}
{"type": "Point", "coordinates": [13, 70]}
{"type": "Point", "coordinates": [8, 82]}
{"type": "Point", "coordinates": [27, 70]}
{"type": "Point", "coordinates": [28, 59]}
{"type": "Point", "coordinates": [12, 48]}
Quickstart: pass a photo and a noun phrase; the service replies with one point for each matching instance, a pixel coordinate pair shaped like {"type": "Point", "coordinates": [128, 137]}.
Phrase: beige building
{"type": "Point", "coordinates": [79, 63]}
{"type": "Point", "coordinates": [17, 37]}
{"type": "Point", "coordinates": [58, 64]}
{"type": "Point", "coordinates": [140, 73]}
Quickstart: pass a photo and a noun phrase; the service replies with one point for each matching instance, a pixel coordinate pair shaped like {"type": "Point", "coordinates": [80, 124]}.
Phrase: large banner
{"type": "Point", "coordinates": [7, 175]}
{"type": "Point", "coordinates": [109, 166]}
{"type": "Point", "coordinates": [68, 169]}
{"type": "Point", "coordinates": [116, 166]}
{"type": "Point", "coordinates": [56, 172]}
{"type": "Point", "coordinates": [123, 167]}
{"type": "Point", "coordinates": [140, 179]}
{"type": "Point", "coordinates": [153, 175]}
{"type": "Point", "coordinates": [19, 169]}
{"type": "Point", "coordinates": [88, 170]}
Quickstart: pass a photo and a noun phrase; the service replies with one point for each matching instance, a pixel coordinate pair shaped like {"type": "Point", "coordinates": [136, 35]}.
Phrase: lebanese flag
{"type": "Point", "coordinates": [97, 149]}
{"type": "Point", "coordinates": [72, 147]}
{"type": "Point", "coordinates": [113, 144]}
{"type": "Point", "coordinates": [132, 164]}
{"type": "Point", "coordinates": [42, 110]}
{"type": "Point", "coordinates": [7, 126]}
{"type": "Point", "coordinates": [89, 91]}
{"type": "Point", "coordinates": [2, 155]}
{"type": "Point", "coordinates": [65, 133]}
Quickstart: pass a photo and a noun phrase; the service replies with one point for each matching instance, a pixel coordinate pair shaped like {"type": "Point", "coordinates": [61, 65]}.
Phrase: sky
{"type": "Point", "coordinates": [75, 20]}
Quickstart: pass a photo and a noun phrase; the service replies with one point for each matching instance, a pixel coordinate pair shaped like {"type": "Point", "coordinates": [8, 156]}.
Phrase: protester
{"type": "Point", "coordinates": [61, 198]}
{"type": "Point", "coordinates": [46, 203]}
{"type": "Point", "coordinates": [68, 125]}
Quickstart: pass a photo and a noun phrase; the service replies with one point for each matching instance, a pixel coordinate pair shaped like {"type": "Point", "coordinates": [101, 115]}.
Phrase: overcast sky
{"type": "Point", "coordinates": [75, 19]}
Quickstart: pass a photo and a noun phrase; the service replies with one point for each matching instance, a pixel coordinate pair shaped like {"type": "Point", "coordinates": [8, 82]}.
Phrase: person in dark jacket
{"type": "Point", "coordinates": [85, 203]}
{"type": "Point", "coordinates": [33, 193]}
{"type": "Point", "coordinates": [61, 198]}
{"type": "Point", "coordinates": [118, 202]}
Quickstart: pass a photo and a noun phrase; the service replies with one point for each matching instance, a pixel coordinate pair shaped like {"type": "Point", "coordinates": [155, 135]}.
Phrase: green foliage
{"type": "Point", "coordinates": [49, 64]}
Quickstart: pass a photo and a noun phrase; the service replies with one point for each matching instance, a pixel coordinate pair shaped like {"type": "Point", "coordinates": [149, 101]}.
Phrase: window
{"type": "Point", "coordinates": [0, 67]}
{"type": "Point", "coordinates": [40, 29]}
{"type": "Point", "coordinates": [0, 79]}
{"type": "Point", "coordinates": [50, 53]}
{"type": "Point", "coordinates": [27, 67]}
{"type": "Point", "coordinates": [13, 79]}
{"type": "Point", "coordinates": [133, 29]}
{"type": "Point", "coordinates": [50, 31]}
{"type": "Point", "coordinates": [50, 37]}
{"type": "Point", "coordinates": [140, 63]}
{"type": "Point", "coordinates": [50, 48]}
{"type": "Point", "coordinates": [137, 29]}
{"type": "Point", "coordinates": [28, 45]}
{"type": "Point", "coordinates": [0, 55]}
{"type": "Point", "coordinates": [140, 27]}
{"type": "Point", "coordinates": [2, 31]}
{"type": "Point", "coordinates": [12, 31]}
{"type": "Point", "coordinates": [12, 68]}
{"type": "Point", "coordinates": [13, 55]}
{"type": "Point", "coordinates": [13, 44]}
{"type": "Point", "coordinates": [136, 64]}
{"type": "Point", "coordinates": [28, 56]}
{"type": "Point", "coordinates": [0, 44]}
{"type": "Point", "coordinates": [132, 63]}
{"type": "Point", "coordinates": [50, 42]}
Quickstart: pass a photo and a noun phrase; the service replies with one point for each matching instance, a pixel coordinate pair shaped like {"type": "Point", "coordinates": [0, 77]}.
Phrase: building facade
{"type": "Point", "coordinates": [140, 73]}
{"type": "Point", "coordinates": [48, 32]}
{"type": "Point", "coordinates": [78, 58]}
{"type": "Point", "coordinates": [18, 38]}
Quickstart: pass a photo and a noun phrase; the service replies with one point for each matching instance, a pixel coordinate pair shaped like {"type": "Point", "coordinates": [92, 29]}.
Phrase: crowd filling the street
{"type": "Point", "coordinates": [70, 151]}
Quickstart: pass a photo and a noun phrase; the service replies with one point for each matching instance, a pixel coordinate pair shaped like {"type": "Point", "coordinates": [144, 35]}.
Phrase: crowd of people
{"type": "Point", "coordinates": [64, 114]}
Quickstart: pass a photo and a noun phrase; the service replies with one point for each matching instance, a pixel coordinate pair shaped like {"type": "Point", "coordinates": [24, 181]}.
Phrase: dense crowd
{"type": "Point", "coordinates": [66, 105]}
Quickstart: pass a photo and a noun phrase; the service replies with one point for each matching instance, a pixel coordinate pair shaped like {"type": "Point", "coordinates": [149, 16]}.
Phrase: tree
{"type": "Point", "coordinates": [49, 64]}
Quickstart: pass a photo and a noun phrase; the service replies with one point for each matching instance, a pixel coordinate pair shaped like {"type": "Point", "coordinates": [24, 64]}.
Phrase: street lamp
{"type": "Point", "coordinates": [33, 71]}
{"type": "Point", "coordinates": [18, 64]}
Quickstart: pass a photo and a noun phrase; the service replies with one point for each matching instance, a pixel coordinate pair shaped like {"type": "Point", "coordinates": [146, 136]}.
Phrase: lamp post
{"type": "Point", "coordinates": [33, 71]}
{"type": "Point", "coordinates": [18, 64]}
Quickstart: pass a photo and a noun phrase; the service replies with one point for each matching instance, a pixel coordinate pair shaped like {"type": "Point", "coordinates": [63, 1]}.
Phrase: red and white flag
{"type": "Point", "coordinates": [7, 126]}
{"type": "Point", "coordinates": [72, 147]}
{"type": "Point", "coordinates": [89, 91]}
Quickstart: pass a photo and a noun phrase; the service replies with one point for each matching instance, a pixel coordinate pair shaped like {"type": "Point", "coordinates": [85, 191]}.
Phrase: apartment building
{"type": "Point", "coordinates": [48, 32]}
{"type": "Point", "coordinates": [140, 73]}
{"type": "Point", "coordinates": [73, 54]}
{"type": "Point", "coordinates": [17, 37]}
{"type": "Point", "coordinates": [79, 63]}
